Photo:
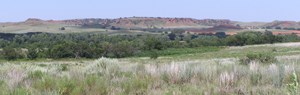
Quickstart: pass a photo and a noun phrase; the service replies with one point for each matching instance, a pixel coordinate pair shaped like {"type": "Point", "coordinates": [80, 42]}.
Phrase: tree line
{"type": "Point", "coordinates": [95, 45]}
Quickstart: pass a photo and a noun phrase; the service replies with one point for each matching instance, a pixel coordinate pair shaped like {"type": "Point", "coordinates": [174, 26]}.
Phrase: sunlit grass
{"type": "Point", "coordinates": [209, 73]}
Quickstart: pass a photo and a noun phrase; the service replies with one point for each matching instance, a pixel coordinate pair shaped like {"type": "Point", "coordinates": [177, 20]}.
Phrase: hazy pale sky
{"type": "Point", "coordinates": [238, 10]}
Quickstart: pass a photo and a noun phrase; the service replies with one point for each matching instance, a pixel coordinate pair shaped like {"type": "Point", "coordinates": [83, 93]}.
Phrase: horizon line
{"type": "Point", "coordinates": [137, 17]}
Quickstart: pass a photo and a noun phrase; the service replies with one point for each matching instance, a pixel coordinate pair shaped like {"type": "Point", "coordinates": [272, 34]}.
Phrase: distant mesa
{"type": "Point", "coordinates": [287, 24]}
{"type": "Point", "coordinates": [33, 20]}
{"type": "Point", "coordinates": [143, 23]}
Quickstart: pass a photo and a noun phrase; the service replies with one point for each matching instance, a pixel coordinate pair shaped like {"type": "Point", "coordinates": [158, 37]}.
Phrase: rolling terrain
{"type": "Point", "coordinates": [45, 61]}
{"type": "Point", "coordinates": [188, 74]}
{"type": "Point", "coordinates": [141, 24]}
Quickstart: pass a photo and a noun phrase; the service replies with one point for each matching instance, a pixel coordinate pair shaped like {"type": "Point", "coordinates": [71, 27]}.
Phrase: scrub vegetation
{"type": "Point", "coordinates": [185, 74]}
{"type": "Point", "coordinates": [94, 45]}
{"type": "Point", "coordinates": [248, 63]}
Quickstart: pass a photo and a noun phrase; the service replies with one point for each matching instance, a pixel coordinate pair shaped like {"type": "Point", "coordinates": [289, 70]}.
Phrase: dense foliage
{"type": "Point", "coordinates": [95, 45]}
{"type": "Point", "coordinates": [258, 57]}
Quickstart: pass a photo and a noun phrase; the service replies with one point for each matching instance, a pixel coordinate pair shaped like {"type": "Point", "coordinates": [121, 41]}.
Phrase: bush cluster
{"type": "Point", "coordinates": [95, 45]}
{"type": "Point", "coordinates": [258, 57]}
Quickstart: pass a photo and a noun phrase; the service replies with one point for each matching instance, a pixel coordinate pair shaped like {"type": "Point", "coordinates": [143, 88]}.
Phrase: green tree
{"type": "Point", "coordinates": [221, 34]}
{"type": "Point", "coordinates": [206, 41]}
{"type": "Point", "coordinates": [3, 43]}
{"type": "Point", "coordinates": [232, 41]}
{"type": "Point", "coordinates": [123, 49]}
{"type": "Point", "coordinates": [154, 43]}
{"type": "Point", "coordinates": [269, 37]}
{"type": "Point", "coordinates": [81, 49]}
{"type": "Point", "coordinates": [61, 51]}
{"type": "Point", "coordinates": [32, 53]}
{"type": "Point", "coordinates": [249, 38]}
{"type": "Point", "coordinates": [172, 36]}
{"type": "Point", "coordinates": [10, 53]}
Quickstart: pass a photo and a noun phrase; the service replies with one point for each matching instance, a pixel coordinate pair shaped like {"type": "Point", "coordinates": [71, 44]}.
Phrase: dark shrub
{"type": "Point", "coordinates": [154, 54]}
{"type": "Point", "coordinates": [10, 54]}
{"type": "Point", "coordinates": [64, 67]}
{"type": "Point", "coordinates": [32, 54]}
{"type": "Point", "coordinates": [62, 28]}
{"type": "Point", "coordinates": [260, 57]}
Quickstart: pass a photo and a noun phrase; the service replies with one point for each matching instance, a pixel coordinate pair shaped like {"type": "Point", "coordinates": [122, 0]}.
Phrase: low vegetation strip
{"type": "Point", "coordinates": [107, 76]}
{"type": "Point", "coordinates": [95, 45]}
{"type": "Point", "coordinates": [181, 51]}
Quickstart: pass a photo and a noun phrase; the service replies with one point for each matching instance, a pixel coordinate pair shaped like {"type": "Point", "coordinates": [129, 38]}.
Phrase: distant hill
{"type": "Point", "coordinates": [284, 24]}
{"type": "Point", "coordinates": [133, 23]}
{"type": "Point", "coordinates": [140, 22]}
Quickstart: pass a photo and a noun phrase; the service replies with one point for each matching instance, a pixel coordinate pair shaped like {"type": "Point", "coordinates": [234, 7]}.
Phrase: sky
{"type": "Point", "coordinates": [237, 10]}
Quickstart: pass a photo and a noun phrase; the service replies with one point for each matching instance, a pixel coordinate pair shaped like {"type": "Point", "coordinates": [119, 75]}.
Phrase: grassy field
{"type": "Point", "coordinates": [195, 72]}
{"type": "Point", "coordinates": [55, 28]}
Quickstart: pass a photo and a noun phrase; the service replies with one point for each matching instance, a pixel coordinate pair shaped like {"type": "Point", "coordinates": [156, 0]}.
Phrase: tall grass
{"type": "Point", "coordinates": [152, 77]}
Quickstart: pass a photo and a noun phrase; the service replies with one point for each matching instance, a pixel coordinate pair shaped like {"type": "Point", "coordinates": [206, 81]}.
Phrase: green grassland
{"type": "Point", "coordinates": [197, 71]}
